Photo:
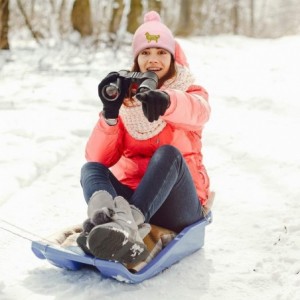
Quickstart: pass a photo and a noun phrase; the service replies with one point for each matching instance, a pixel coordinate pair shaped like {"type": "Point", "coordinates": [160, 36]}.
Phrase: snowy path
{"type": "Point", "coordinates": [251, 152]}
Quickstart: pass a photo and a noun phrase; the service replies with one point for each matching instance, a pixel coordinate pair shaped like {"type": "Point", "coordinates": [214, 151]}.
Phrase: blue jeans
{"type": "Point", "coordinates": [166, 194]}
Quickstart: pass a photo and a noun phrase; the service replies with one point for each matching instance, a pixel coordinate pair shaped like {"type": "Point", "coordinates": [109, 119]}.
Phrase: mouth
{"type": "Point", "coordinates": [154, 69]}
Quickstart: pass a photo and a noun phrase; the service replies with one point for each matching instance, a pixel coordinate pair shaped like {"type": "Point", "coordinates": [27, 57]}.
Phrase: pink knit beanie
{"type": "Point", "coordinates": [153, 34]}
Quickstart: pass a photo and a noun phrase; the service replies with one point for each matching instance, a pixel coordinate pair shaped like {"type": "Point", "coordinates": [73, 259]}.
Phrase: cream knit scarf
{"type": "Point", "coordinates": [133, 117]}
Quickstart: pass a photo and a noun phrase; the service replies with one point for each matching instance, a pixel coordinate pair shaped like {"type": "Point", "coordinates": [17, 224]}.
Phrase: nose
{"type": "Point", "coordinates": [153, 58]}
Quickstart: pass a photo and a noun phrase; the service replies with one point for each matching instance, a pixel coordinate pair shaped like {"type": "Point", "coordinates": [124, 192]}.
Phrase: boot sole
{"type": "Point", "coordinates": [110, 244]}
{"type": "Point", "coordinates": [82, 243]}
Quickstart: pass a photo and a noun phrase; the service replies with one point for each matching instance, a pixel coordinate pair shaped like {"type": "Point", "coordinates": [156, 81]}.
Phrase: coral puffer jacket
{"type": "Point", "coordinates": [128, 157]}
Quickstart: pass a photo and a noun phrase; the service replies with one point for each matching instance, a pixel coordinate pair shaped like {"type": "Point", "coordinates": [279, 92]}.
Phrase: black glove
{"type": "Point", "coordinates": [111, 108]}
{"type": "Point", "coordinates": [154, 103]}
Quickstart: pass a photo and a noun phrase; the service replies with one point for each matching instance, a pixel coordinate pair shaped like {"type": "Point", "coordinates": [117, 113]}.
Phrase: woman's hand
{"type": "Point", "coordinates": [111, 107]}
{"type": "Point", "coordinates": [154, 103]}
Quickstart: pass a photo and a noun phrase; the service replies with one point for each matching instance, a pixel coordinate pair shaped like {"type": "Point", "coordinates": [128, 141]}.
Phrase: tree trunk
{"type": "Point", "coordinates": [155, 5]}
{"type": "Point", "coordinates": [117, 13]}
{"type": "Point", "coordinates": [200, 17]}
{"type": "Point", "coordinates": [252, 24]}
{"type": "Point", "coordinates": [235, 17]}
{"type": "Point", "coordinates": [35, 34]}
{"type": "Point", "coordinates": [135, 15]}
{"type": "Point", "coordinates": [185, 23]}
{"type": "Point", "coordinates": [61, 18]}
{"type": "Point", "coordinates": [4, 16]}
{"type": "Point", "coordinates": [81, 17]}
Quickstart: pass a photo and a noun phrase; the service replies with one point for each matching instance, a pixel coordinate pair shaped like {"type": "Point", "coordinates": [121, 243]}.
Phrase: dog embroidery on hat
{"type": "Point", "coordinates": [152, 37]}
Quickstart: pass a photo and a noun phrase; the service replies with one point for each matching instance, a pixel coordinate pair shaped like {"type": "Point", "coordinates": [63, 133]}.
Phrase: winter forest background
{"type": "Point", "coordinates": [107, 22]}
{"type": "Point", "coordinates": [244, 52]}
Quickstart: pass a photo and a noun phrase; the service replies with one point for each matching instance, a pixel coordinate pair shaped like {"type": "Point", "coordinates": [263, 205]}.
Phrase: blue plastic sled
{"type": "Point", "coordinates": [185, 243]}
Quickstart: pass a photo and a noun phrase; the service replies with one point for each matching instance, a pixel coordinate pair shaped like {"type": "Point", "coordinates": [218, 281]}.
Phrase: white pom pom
{"type": "Point", "coordinates": [152, 16]}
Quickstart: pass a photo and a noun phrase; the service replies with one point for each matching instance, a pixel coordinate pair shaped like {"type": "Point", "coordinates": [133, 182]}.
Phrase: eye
{"type": "Point", "coordinates": [145, 52]}
{"type": "Point", "coordinates": [162, 52]}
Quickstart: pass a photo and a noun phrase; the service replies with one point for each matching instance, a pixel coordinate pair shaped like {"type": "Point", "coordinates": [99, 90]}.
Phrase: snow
{"type": "Point", "coordinates": [49, 105]}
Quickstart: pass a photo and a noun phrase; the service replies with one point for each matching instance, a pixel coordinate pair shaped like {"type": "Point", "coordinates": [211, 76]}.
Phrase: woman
{"type": "Point", "coordinates": [144, 154]}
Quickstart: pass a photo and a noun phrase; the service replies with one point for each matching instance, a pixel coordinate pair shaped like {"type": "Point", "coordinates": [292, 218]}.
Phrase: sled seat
{"type": "Point", "coordinates": [72, 257]}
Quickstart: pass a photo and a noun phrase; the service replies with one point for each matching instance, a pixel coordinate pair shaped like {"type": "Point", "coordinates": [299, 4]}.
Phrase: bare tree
{"type": "Point", "coordinates": [35, 34]}
{"type": "Point", "coordinates": [118, 7]}
{"type": "Point", "coordinates": [4, 16]}
{"type": "Point", "coordinates": [199, 14]}
{"type": "Point", "coordinates": [185, 22]}
{"type": "Point", "coordinates": [81, 17]}
{"type": "Point", "coordinates": [155, 5]}
{"type": "Point", "coordinates": [111, 20]}
{"type": "Point", "coordinates": [135, 15]}
{"type": "Point", "coordinates": [235, 17]}
{"type": "Point", "coordinates": [61, 14]}
{"type": "Point", "coordinates": [252, 24]}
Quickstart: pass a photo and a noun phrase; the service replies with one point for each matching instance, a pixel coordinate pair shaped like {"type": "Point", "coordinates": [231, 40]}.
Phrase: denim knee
{"type": "Point", "coordinates": [89, 168]}
{"type": "Point", "coordinates": [166, 151]}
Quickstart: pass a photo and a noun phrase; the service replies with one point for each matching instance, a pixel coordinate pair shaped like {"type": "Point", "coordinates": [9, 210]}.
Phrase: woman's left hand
{"type": "Point", "coordinates": [154, 103]}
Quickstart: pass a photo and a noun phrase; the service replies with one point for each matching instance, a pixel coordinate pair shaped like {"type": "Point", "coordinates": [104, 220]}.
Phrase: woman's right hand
{"type": "Point", "coordinates": [111, 107]}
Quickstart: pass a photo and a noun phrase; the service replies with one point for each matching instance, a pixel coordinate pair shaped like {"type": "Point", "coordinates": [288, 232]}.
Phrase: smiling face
{"type": "Point", "coordinates": [157, 60]}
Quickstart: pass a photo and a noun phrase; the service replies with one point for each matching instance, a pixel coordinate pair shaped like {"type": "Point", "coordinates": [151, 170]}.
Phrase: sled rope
{"type": "Point", "coordinates": [20, 232]}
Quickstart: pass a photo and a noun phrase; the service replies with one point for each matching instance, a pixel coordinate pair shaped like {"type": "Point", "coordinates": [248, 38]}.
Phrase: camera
{"type": "Point", "coordinates": [145, 81]}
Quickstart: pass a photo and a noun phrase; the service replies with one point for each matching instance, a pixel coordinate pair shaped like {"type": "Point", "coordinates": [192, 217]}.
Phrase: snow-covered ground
{"type": "Point", "coordinates": [48, 106]}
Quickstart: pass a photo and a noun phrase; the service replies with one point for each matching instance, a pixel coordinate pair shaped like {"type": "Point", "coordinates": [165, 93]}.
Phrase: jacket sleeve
{"type": "Point", "coordinates": [189, 110]}
{"type": "Point", "coordinates": [105, 143]}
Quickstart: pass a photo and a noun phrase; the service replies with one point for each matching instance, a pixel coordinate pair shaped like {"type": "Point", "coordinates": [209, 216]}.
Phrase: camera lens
{"type": "Point", "coordinates": [111, 92]}
{"type": "Point", "coordinates": [146, 85]}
